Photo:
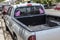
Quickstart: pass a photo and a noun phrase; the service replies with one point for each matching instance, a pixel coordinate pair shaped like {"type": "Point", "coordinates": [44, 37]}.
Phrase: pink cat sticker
{"type": "Point", "coordinates": [17, 13]}
{"type": "Point", "coordinates": [41, 11]}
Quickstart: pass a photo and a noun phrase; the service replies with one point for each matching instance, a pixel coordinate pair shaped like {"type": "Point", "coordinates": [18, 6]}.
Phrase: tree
{"type": "Point", "coordinates": [2, 0]}
{"type": "Point", "coordinates": [39, 1]}
{"type": "Point", "coordinates": [17, 2]}
{"type": "Point", "coordinates": [45, 2]}
{"type": "Point", "coordinates": [57, 0]}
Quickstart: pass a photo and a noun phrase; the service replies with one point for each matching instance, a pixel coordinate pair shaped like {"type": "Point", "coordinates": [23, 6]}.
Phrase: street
{"type": "Point", "coordinates": [52, 12]}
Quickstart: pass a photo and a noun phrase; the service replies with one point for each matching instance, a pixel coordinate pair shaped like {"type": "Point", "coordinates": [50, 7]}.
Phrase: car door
{"type": "Point", "coordinates": [8, 19]}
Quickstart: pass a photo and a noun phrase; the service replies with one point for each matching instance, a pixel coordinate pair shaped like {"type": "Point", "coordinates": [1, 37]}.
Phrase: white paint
{"type": "Point", "coordinates": [52, 34]}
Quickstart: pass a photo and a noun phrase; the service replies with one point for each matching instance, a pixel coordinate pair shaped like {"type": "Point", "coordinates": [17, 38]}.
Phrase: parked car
{"type": "Point", "coordinates": [57, 7]}
{"type": "Point", "coordinates": [28, 21]}
{"type": "Point", "coordinates": [0, 8]}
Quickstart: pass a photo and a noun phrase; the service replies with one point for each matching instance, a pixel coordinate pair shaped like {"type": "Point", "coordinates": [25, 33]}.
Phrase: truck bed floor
{"type": "Point", "coordinates": [40, 27]}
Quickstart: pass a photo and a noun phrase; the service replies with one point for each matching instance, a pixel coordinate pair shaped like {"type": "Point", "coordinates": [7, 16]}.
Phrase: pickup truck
{"type": "Point", "coordinates": [29, 22]}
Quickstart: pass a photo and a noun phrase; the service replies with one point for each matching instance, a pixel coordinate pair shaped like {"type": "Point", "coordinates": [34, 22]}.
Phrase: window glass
{"type": "Point", "coordinates": [30, 10]}
{"type": "Point", "coordinates": [9, 11]}
{"type": "Point", "coordinates": [22, 9]}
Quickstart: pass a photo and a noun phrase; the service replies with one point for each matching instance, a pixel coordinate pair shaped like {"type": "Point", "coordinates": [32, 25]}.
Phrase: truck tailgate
{"type": "Point", "coordinates": [52, 34]}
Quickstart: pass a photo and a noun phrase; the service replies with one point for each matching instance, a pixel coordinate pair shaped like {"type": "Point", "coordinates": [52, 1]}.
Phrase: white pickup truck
{"type": "Point", "coordinates": [28, 21]}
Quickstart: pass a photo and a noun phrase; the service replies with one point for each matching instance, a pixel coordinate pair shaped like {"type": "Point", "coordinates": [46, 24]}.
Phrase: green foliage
{"type": "Point", "coordinates": [2, 0]}
{"type": "Point", "coordinates": [44, 2]}
{"type": "Point", "coordinates": [57, 0]}
{"type": "Point", "coordinates": [40, 1]}
{"type": "Point", "coordinates": [37, 1]}
{"type": "Point", "coordinates": [17, 2]}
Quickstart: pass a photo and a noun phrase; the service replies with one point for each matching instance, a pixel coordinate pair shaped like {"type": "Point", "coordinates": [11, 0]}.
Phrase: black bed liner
{"type": "Point", "coordinates": [40, 22]}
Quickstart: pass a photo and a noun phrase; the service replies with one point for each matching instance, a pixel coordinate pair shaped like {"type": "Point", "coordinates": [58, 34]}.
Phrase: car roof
{"type": "Point", "coordinates": [25, 4]}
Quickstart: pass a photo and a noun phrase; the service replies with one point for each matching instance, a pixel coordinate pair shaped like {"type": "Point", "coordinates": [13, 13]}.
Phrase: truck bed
{"type": "Point", "coordinates": [39, 22]}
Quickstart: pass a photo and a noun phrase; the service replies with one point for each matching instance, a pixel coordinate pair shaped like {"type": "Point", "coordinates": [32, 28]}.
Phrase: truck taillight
{"type": "Point", "coordinates": [33, 37]}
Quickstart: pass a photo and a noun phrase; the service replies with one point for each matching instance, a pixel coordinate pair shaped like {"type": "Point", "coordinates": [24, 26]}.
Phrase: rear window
{"type": "Point", "coordinates": [25, 11]}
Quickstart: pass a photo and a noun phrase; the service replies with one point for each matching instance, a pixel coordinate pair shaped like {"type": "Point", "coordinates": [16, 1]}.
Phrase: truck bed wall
{"type": "Point", "coordinates": [39, 19]}
{"type": "Point", "coordinates": [57, 18]}
{"type": "Point", "coordinates": [35, 20]}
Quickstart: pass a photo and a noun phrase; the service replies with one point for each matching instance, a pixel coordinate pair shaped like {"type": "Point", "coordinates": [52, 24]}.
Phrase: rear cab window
{"type": "Point", "coordinates": [28, 10]}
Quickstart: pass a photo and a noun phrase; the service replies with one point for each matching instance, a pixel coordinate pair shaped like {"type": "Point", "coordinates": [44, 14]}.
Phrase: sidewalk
{"type": "Point", "coordinates": [1, 31]}
{"type": "Point", "coordinates": [4, 35]}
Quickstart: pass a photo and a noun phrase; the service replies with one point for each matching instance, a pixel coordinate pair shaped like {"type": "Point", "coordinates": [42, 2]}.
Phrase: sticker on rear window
{"type": "Point", "coordinates": [41, 11]}
{"type": "Point", "coordinates": [17, 13]}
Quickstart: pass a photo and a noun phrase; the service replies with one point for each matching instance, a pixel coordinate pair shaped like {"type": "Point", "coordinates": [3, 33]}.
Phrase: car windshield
{"type": "Point", "coordinates": [25, 11]}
